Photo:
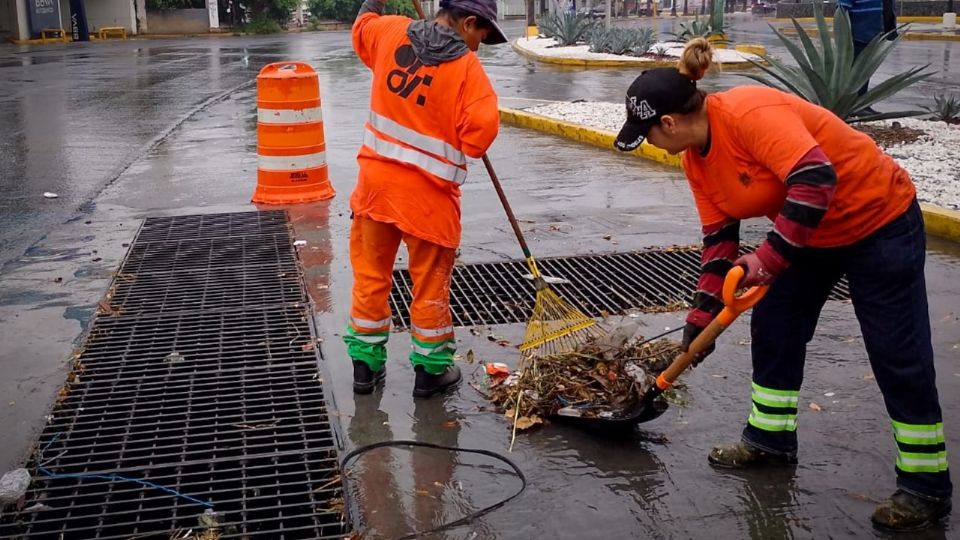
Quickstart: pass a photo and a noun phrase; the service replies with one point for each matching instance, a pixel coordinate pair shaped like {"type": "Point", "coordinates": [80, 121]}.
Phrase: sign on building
{"type": "Point", "coordinates": [43, 14]}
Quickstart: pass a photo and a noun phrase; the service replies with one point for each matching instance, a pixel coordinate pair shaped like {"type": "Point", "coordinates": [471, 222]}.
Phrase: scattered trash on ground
{"type": "Point", "coordinates": [105, 308]}
{"type": "Point", "coordinates": [600, 380]}
{"type": "Point", "coordinates": [174, 357]}
{"type": "Point", "coordinates": [299, 243]}
{"type": "Point", "coordinates": [49, 195]}
{"type": "Point", "coordinates": [13, 485]}
{"type": "Point", "coordinates": [815, 407]}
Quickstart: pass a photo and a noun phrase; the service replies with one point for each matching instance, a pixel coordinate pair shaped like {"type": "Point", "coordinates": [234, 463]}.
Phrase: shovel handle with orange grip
{"type": "Point", "coordinates": [733, 306]}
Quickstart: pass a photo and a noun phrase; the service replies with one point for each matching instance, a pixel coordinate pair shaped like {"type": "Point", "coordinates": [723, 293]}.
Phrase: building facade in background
{"type": "Point", "coordinates": [22, 20]}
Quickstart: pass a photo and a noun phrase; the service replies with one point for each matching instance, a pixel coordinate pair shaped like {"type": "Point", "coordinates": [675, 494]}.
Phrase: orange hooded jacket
{"type": "Point", "coordinates": [431, 106]}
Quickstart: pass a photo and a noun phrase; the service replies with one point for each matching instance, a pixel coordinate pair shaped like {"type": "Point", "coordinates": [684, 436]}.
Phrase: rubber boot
{"type": "Point", "coordinates": [742, 455]}
{"type": "Point", "coordinates": [428, 385]}
{"type": "Point", "coordinates": [364, 379]}
{"type": "Point", "coordinates": [905, 511]}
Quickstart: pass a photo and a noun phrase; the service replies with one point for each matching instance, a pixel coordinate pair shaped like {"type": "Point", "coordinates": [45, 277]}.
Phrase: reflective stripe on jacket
{"type": "Point", "coordinates": [424, 121]}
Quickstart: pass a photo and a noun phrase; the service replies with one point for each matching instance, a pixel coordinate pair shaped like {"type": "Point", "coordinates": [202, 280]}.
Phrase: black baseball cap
{"type": "Point", "coordinates": [485, 9]}
{"type": "Point", "coordinates": [654, 93]}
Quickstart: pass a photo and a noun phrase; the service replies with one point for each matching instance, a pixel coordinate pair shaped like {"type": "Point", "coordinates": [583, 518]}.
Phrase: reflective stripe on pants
{"type": "Point", "coordinates": [885, 272]}
{"type": "Point", "coordinates": [373, 248]}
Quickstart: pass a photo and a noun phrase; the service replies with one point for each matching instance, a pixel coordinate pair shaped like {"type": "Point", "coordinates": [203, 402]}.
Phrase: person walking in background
{"type": "Point", "coordinates": [867, 21]}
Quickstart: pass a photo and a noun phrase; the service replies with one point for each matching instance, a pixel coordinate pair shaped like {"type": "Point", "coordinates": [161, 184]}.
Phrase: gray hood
{"type": "Point", "coordinates": [435, 43]}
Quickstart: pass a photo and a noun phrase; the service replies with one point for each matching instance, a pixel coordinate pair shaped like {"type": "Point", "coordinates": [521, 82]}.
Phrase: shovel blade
{"type": "Point", "coordinates": [652, 410]}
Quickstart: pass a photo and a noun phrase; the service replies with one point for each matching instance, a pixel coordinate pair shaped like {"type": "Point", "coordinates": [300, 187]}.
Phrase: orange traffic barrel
{"type": "Point", "coordinates": [292, 162]}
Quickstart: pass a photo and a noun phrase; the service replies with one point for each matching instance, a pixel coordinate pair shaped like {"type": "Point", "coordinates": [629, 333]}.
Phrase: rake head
{"type": "Point", "coordinates": [556, 326]}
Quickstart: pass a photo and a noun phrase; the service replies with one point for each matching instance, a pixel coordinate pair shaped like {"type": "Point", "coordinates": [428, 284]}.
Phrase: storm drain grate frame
{"type": "Point", "coordinates": [199, 374]}
{"type": "Point", "coordinates": [598, 285]}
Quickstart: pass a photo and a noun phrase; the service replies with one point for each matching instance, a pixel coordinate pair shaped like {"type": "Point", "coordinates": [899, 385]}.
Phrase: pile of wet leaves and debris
{"type": "Point", "coordinates": [600, 380]}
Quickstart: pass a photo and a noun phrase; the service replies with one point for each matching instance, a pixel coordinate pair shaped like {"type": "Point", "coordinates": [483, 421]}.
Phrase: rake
{"type": "Point", "coordinates": [555, 326]}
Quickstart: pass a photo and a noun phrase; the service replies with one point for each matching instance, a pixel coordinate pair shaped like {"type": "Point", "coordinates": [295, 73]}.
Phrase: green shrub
{"type": "Point", "coordinates": [338, 10]}
{"type": "Point", "coordinates": [261, 25]}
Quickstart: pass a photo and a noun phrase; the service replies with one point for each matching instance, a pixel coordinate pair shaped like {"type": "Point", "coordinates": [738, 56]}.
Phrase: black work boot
{"type": "Point", "coordinates": [428, 385]}
{"type": "Point", "coordinates": [907, 512]}
{"type": "Point", "coordinates": [742, 455]}
{"type": "Point", "coordinates": [364, 379]}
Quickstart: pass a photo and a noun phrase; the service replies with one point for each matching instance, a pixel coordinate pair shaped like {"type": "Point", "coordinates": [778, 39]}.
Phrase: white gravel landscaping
{"type": "Point", "coordinates": [670, 49]}
{"type": "Point", "coordinates": [933, 161]}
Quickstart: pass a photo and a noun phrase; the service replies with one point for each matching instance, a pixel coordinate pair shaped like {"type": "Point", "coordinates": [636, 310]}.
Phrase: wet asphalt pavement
{"type": "Point", "coordinates": [125, 130]}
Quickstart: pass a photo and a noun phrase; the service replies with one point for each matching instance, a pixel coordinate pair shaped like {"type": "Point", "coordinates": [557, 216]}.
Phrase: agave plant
{"type": "Point", "coordinates": [626, 41]}
{"type": "Point", "coordinates": [945, 108]}
{"type": "Point", "coordinates": [696, 28]}
{"type": "Point", "coordinates": [831, 77]}
{"type": "Point", "coordinates": [547, 26]}
{"type": "Point", "coordinates": [567, 28]}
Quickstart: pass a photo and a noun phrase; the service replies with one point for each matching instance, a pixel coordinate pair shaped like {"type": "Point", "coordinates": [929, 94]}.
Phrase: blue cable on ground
{"type": "Point", "coordinates": [111, 478]}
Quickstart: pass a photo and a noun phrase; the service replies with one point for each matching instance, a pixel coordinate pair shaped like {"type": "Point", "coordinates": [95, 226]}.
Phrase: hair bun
{"type": "Point", "coordinates": [697, 59]}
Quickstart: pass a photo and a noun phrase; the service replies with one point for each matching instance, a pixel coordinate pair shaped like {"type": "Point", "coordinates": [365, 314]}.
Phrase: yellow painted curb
{"type": "Point", "coordinates": [582, 62]}
{"type": "Point", "coordinates": [930, 36]}
{"type": "Point", "coordinates": [900, 20]}
{"type": "Point", "coordinates": [941, 222]}
{"type": "Point", "coordinates": [907, 36]}
{"type": "Point", "coordinates": [38, 41]}
{"type": "Point", "coordinates": [581, 133]}
{"type": "Point", "coordinates": [751, 48]}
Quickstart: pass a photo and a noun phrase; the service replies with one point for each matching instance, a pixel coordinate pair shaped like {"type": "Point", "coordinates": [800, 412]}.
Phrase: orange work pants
{"type": "Point", "coordinates": [373, 250]}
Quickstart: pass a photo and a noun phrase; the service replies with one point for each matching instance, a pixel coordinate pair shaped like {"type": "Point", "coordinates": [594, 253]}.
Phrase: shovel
{"type": "Point", "coordinates": [733, 305]}
{"type": "Point", "coordinates": [649, 407]}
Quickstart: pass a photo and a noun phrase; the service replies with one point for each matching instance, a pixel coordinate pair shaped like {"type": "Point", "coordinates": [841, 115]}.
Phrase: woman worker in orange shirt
{"type": "Point", "coordinates": [839, 205]}
{"type": "Point", "coordinates": [431, 106]}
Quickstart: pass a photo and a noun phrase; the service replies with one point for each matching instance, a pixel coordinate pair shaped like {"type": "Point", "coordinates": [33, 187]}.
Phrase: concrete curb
{"type": "Point", "coordinates": [941, 222]}
{"type": "Point", "coordinates": [584, 62]}
{"type": "Point", "coordinates": [581, 133]}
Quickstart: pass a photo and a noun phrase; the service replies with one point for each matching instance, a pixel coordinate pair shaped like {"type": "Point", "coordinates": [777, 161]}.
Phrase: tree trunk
{"type": "Point", "coordinates": [531, 13]}
{"type": "Point", "coordinates": [606, 20]}
{"type": "Point", "coordinates": [685, 10]}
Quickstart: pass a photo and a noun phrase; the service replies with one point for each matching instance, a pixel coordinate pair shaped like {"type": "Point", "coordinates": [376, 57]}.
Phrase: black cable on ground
{"type": "Point", "coordinates": [465, 519]}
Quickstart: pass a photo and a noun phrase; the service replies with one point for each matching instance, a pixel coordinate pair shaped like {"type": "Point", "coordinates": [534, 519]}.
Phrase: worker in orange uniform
{"type": "Point", "coordinates": [431, 106]}
{"type": "Point", "coordinates": [839, 206]}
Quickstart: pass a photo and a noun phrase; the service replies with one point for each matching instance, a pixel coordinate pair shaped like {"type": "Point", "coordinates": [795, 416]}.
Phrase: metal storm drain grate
{"type": "Point", "coordinates": [199, 377]}
{"type": "Point", "coordinates": [498, 293]}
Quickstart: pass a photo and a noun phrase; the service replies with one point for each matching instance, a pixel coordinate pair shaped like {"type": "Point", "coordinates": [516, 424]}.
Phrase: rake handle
{"type": "Point", "coordinates": [503, 196]}
{"type": "Point", "coordinates": [419, 9]}
{"type": "Point", "coordinates": [506, 206]}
